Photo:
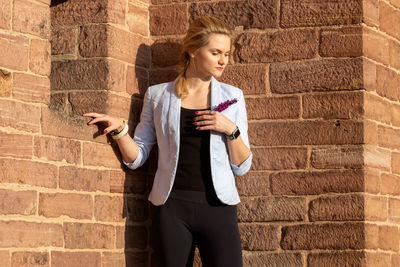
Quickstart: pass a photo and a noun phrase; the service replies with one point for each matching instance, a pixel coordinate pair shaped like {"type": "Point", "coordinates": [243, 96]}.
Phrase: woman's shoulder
{"type": "Point", "coordinates": [157, 91]}
{"type": "Point", "coordinates": [230, 89]}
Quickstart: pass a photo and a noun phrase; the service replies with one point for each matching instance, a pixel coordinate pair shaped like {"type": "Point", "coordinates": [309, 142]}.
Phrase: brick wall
{"type": "Point", "coordinates": [321, 80]}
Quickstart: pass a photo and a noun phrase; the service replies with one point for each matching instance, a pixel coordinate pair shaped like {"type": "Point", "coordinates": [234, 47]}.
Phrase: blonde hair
{"type": "Point", "coordinates": [197, 37]}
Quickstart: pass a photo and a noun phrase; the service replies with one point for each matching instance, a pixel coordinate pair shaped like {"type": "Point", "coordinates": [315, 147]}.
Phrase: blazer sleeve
{"type": "Point", "coordinates": [145, 133]}
{"type": "Point", "coordinates": [241, 122]}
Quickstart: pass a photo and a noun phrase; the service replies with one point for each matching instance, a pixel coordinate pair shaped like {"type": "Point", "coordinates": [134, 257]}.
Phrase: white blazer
{"type": "Point", "coordinates": [159, 123]}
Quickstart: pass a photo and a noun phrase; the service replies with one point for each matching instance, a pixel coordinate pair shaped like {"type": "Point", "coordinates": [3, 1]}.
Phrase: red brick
{"type": "Point", "coordinates": [387, 83]}
{"type": "Point", "coordinates": [5, 83]}
{"type": "Point", "coordinates": [132, 237]}
{"type": "Point", "coordinates": [339, 132]}
{"type": "Point", "coordinates": [337, 157]}
{"type": "Point", "coordinates": [372, 181]}
{"type": "Point", "coordinates": [354, 258]}
{"type": "Point", "coordinates": [88, 236]}
{"type": "Point", "coordinates": [369, 75]}
{"type": "Point", "coordinates": [5, 259]}
{"type": "Point", "coordinates": [76, 206]}
{"type": "Point", "coordinates": [315, 183]}
{"type": "Point", "coordinates": [250, 78]}
{"type": "Point", "coordinates": [253, 184]}
{"type": "Point", "coordinates": [376, 208]}
{"type": "Point", "coordinates": [30, 234]}
{"type": "Point", "coordinates": [323, 236]}
{"type": "Point", "coordinates": [127, 182]}
{"type": "Point", "coordinates": [375, 157]}
{"type": "Point", "coordinates": [389, 237]}
{"type": "Point", "coordinates": [58, 149]}
{"type": "Point", "coordinates": [371, 12]}
{"type": "Point", "coordinates": [259, 236]}
{"type": "Point", "coordinates": [30, 259]}
{"type": "Point", "coordinates": [111, 259]}
{"type": "Point", "coordinates": [28, 172]}
{"type": "Point", "coordinates": [265, 209]}
{"type": "Point", "coordinates": [63, 41]}
{"type": "Point", "coordinates": [36, 22]}
{"type": "Point", "coordinates": [390, 184]}
{"type": "Point", "coordinates": [162, 75]}
{"type": "Point", "coordinates": [272, 259]}
{"type": "Point", "coordinates": [395, 162]}
{"type": "Point", "coordinates": [18, 202]}
{"type": "Point", "coordinates": [5, 14]}
{"type": "Point", "coordinates": [375, 46]}
{"type": "Point", "coordinates": [321, 75]}
{"type": "Point", "coordinates": [279, 158]}
{"type": "Point", "coordinates": [14, 51]}
{"type": "Point", "coordinates": [171, 19]}
{"type": "Point", "coordinates": [371, 236]}
{"type": "Point", "coordinates": [74, 259]}
{"type": "Point", "coordinates": [46, 2]}
{"type": "Point", "coordinates": [138, 19]}
{"type": "Point", "coordinates": [342, 42]}
{"type": "Point", "coordinates": [378, 259]}
{"type": "Point", "coordinates": [394, 210]}
{"type": "Point", "coordinates": [101, 155]}
{"type": "Point", "coordinates": [333, 106]}
{"type": "Point", "coordinates": [277, 46]}
{"type": "Point", "coordinates": [161, 2]}
{"type": "Point", "coordinates": [273, 108]}
{"type": "Point", "coordinates": [337, 208]}
{"type": "Point", "coordinates": [264, 14]}
{"type": "Point", "coordinates": [63, 125]}
{"type": "Point", "coordinates": [15, 145]}
{"type": "Point", "coordinates": [137, 209]}
{"type": "Point", "coordinates": [389, 19]}
{"type": "Point", "coordinates": [80, 179]}
{"type": "Point", "coordinates": [395, 3]}
{"type": "Point", "coordinates": [376, 108]}
{"type": "Point", "coordinates": [316, 13]}
{"type": "Point", "coordinates": [370, 132]}
{"type": "Point", "coordinates": [165, 52]}
{"type": "Point", "coordinates": [31, 88]}
{"type": "Point", "coordinates": [19, 115]}
{"type": "Point", "coordinates": [394, 54]}
{"type": "Point", "coordinates": [108, 208]}
{"type": "Point", "coordinates": [39, 57]}
{"type": "Point", "coordinates": [137, 81]}
{"type": "Point", "coordinates": [395, 114]}
{"type": "Point", "coordinates": [395, 259]}
{"type": "Point", "coordinates": [388, 137]}
{"type": "Point", "coordinates": [116, 11]}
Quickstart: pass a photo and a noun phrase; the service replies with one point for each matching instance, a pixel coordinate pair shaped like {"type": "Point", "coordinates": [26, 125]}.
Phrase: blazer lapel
{"type": "Point", "coordinates": [216, 96]}
{"type": "Point", "coordinates": [174, 113]}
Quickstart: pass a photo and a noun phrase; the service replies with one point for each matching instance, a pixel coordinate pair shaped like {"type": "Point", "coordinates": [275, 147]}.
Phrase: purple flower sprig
{"type": "Point", "coordinates": [224, 105]}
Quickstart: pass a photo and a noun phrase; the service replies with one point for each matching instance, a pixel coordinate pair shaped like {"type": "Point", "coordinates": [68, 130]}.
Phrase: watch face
{"type": "Point", "coordinates": [236, 133]}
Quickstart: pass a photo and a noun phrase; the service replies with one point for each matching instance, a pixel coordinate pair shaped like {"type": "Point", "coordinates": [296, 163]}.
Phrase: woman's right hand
{"type": "Point", "coordinates": [110, 122]}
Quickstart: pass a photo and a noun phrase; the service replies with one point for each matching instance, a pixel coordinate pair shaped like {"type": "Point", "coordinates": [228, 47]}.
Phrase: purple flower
{"type": "Point", "coordinates": [224, 105]}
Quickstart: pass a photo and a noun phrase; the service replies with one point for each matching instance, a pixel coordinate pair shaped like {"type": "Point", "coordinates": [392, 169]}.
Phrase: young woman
{"type": "Point", "coordinates": [200, 127]}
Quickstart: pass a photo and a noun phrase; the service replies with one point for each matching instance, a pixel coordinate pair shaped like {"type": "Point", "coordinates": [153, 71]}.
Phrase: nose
{"type": "Point", "coordinates": [222, 60]}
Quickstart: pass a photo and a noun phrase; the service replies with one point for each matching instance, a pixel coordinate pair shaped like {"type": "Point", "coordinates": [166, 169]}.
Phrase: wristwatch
{"type": "Point", "coordinates": [234, 135]}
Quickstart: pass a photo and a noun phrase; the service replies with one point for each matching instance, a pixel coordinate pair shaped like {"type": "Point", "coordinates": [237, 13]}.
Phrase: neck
{"type": "Point", "coordinates": [196, 82]}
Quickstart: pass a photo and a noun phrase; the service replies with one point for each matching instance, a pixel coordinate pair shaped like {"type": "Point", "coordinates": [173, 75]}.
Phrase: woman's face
{"type": "Point", "coordinates": [211, 59]}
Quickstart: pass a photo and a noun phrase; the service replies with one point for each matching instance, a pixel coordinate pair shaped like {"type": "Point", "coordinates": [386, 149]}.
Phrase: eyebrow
{"type": "Point", "coordinates": [219, 51]}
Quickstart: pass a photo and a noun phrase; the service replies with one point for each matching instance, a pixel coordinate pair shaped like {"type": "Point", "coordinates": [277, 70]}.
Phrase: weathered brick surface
{"type": "Point", "coordinates": [390, 184]}
{"type": "Point", "coordinates": [376, 108]}
{"type": "Point", "coordinates": [171, 19]}
{"type": "Point", "coordinates": [395, 162]}
{"type": "Point", "coordinates": [250, 78]}
{"type": "Point", "coordinates": [137, 81]}
{"type": "Point", "coordinates": [76, 206]}
{"type": "Point", "coordinates": [316, 13]}
{"type": "Point", "coordinates": [128, 182]}
{"type": "Point", "coordinates": [321, 75]}
{"type": "Point", "coordinates": [165, 52]}
{"type": "Point", "coordinates": [372, 181]}
{"type": "Point", "coordinates": [370, 132]}
{"type": "Point", "coordinates": [279, 158]}
{"type": "Point", "coordinates": [265, 209]}
{"type": "Point", "coordinates": [376, 46]}
{"type": "Point", "coordinates": [88, 236]}
{"type": "Point", "coordinates": [63, 41]}
{"type": "Point", "coordinates": [394, 54]}
{"type": "Point", "coordinates": [95, 154]}
{"type": "Point", "coordinates": [38, 234]}
{"type": "Point", "coordinates": [108, 208]}
{"type": "Point", "coordinates": [19, 115]}
{"type": "Point", "coordinates": [343, 42]}
{"type": "Point", "coordinates": [5, 258]}
{"type": "Point", "coordinates": [137, 209]}
{"type": "Point", "coordinates": [375, 157]}
{"type": "Point", "coordinates": [276, 46]}
{"type": "Point", "coordinates": [31, 88]}
{"type": "Point", "coordinates": [306, 133]}
{"type": "Point", "coordinates": [259, 237]}
{"type": "Point", "coordinates": [375, 208]}
{"type": "Point", "coordinates": [132, 237]}
{"type": "Point", "coordinates": [18, 202]}
{"type": "Point", "coordinates": [15, 145]}
{"type": "Point", "coordinates": [318, 182]}
{"type": "Point", "coordinates": [39, 57]}
{"type": "Point", "coordinates": [378, 259]}
{"type": "Point", "coordinates": [395, 115]}
{"type": "Point", "coordinates": [273, 108]}
{"type": "Point", "coordinates": [323, 236]}
{"type": "Point", "coordinates": [273, 259]}
{"type": "Point", "coordinates": [30, 259]}
{"type": "Point", "coordinates": [57, 149]}
{"type": "Point", "coordinates": [80, 179]}
{"type": "Point", "coordinates": [73, 259]}
{"type": "Point", "coordinates": [337, 157]}
{"type": "Point", "coordinates": [333, 106]}
{"type": "Point", "coordinates": [355, 258]}
{"type": "Point", "coordinates": [389, 19]}
{"type": "Point", "coordinates": [138, 19]}
{"type": "Point", "coordinates": [253, 184]}
{"type": "Point", "coordinates": [394, 210]}
{"type": "Point", "coordinates": [15, 51]}
{"type": "Point", "coordinates": [110, 259]}
{"type": "Point", "coordinates": [337, 208]}
{"type": "Point", "coordinates": [388, 137]}
{"type": "Point", "coordinates": [36, 22]}
{"type": "Point", "coordinates": [369, 75]}
{"type": "Point", "coordinates": [5, 83]}
{"type": "Point", "coordinates": [264, 14]}
{"type": "Point", "coordinates": [5, 14]}
{"type": "Point", "coordinates": [389, 237]}
{"type": "Point", "coordinates": [28, 172]}
{"type": "Point", "coordinates": [162, 76]}
{"type": "Point", "coordinates": [387, 83]}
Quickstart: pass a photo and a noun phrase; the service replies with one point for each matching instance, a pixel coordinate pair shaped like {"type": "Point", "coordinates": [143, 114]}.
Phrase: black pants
{"type": "Point", "coordinates": [184, 222]}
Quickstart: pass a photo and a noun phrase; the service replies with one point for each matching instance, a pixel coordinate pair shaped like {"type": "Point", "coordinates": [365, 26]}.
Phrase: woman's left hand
{"type": "Point", "coordinates": [213, 120]}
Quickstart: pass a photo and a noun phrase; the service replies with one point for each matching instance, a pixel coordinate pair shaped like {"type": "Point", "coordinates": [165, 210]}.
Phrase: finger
{"type": "Point", "coordinates": [205, 122]}
{"type": "Point", "coordinates": [208, 127]}
{"type": "Point", "coordinates": [203, 117]}
{"type": "Point", "coordinates": [92, 114]}
{"type": "Point", "coordinates": [99, 119]}
{"type": "Point", "coordinates": [208, 112]}
{"type": "Point", "coordinates": [109, 129]}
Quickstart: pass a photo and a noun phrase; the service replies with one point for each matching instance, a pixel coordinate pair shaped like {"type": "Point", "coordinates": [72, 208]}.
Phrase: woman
{"type": "Point", "coordinates": [200, 127]}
